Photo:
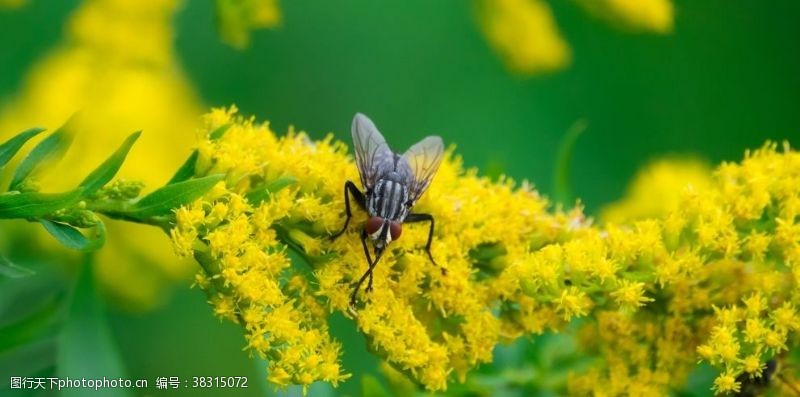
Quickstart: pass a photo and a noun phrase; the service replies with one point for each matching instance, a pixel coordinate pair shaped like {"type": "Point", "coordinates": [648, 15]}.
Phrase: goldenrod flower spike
{"type": "Point", "coordinates": [712, 278]}
{"type": "Point", "coordinates": [423, 322]}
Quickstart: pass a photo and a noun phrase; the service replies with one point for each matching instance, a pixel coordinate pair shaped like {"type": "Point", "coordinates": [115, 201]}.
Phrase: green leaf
{"type": "Point", "coordinates": [71, 237]}
{"type": "Point", "coordinates": [562, 191]}
{"type": "Point", "coordinates": [106, 171]}
{"type": "Point", "coordinates": [187, 169]}
{"type": "Point", "coordinates": [10, 147]}
{"type": "Point", "coordinates": [9, 269]}
{"type": "Point", "coordinates": [257, 196]}
{"type": "Point", "coordinates": [219, 132]}
{"type": "Point", "coordinates": [169, 197]}
{"type": "Point", "coordinates": [48, 149]}
{"type": "Point", "coordinates": [86, 348]}
{"type": "Point", "coordinates": [34, 204]}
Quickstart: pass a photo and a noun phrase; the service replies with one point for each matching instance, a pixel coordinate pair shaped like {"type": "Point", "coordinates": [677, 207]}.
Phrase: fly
{"type": "Point", "coordinates": [392, 185]}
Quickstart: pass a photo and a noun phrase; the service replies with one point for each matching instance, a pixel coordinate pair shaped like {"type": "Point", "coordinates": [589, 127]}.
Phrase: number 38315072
{"type": "Point", "coordinates": [219, 381]}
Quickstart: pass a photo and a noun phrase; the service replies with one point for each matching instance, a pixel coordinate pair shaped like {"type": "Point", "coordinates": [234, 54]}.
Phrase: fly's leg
{"type": "Point", "coordinates": [350, 187]}
{"type": "Point", "coordinates": [368, 272]}
{"type": "Point", "coordinates": [411, 218]}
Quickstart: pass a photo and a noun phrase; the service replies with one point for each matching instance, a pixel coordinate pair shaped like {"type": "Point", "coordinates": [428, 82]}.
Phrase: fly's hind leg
{"type": "Point", "coordinates": [411, 218]}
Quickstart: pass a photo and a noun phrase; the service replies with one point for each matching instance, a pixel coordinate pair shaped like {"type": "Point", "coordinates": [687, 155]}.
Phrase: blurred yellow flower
{"type": "Point", "coordinates": [12, 3]}
{"type": "Point", "coordinates": [116, 68]}
{"type": "Point", "coordinates": [524, 32]}
{"type": "Point", "coordinates": [657, 189]}
{"type": "Point", "coordinates": [237, 18]}
{"type": "Point", "coordinates": [655, 16]}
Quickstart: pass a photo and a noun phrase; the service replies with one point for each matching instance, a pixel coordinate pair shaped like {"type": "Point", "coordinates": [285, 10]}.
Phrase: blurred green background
{"type": "Point", "coordinates": [725, 80]}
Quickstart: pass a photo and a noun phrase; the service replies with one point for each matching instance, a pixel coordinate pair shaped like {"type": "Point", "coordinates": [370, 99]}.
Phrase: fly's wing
{"type": "Point", "coordinates": [423, 158]}
{"type": "Point", "coordinates": [373, 155]}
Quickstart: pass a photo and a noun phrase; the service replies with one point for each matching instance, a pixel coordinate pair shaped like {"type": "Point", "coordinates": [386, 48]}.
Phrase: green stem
{"type": "Point", "coordinates": [121, 210]}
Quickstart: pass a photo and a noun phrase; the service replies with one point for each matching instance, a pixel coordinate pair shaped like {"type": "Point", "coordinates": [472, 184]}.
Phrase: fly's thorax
{"type": "Point", "coordinates": [388, 199]}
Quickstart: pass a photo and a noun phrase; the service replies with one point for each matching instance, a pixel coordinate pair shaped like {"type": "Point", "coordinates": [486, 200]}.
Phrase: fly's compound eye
{"type": "Point", "coordinates": [373, 225]}
{"type": "Point", "coordinates": [395, 229]}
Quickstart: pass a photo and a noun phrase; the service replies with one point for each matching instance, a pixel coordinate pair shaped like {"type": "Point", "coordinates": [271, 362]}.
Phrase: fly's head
{"type": "Point", "coordinates": [382, 231]}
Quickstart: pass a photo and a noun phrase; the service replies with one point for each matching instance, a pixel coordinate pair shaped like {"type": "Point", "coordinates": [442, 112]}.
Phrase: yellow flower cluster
{"type": "Point", "coordinates": [722, 267]}
{"type": "Point", "coordinates": [246, 272]}
{"type": "Point", "coordinates": [116, 72]}
{"type": "Point", "coordinates": [525, 34]}
{"type": "Point", "coordinates": [648, 287]}
{"type": "Point", "coordinates": [422, 322]}
{"type": "Point", "coordinates": [714, 274]}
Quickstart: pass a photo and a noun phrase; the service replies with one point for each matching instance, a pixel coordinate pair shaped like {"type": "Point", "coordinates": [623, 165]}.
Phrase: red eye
{"type": "Point", "coordinates": [373, 224]}
{"type": "Point", "coordinates": [395, 229]}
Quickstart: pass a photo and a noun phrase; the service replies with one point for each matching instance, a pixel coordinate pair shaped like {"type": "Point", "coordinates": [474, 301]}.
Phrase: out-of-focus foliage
{"type": "Point", "coordinates": [84, 347]}
{"type": "Point", "coordinates": [116, 69]}
{"type": "Point", "coordinates": [523, 32]}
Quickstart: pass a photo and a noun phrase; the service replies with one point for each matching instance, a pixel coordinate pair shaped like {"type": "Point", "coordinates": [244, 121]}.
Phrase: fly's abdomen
{"type": "Point", "coordinates": [388, 200]}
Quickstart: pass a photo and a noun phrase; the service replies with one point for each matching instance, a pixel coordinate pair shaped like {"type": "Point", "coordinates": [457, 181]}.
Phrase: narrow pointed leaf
{"type": "Point", "coordinates": [34, 204]}
{"type": "Point", "coordinates": [259, 195]}
{"type": "Point", "coordinates": [48, 149]}
{"type": "Point", "coordinates": [71, 237]}
{"type": "Point", "coordinates": [10, 147]}
{"type": "Point", "coordinates": [67, 235]}
{"type": "Point", "coordinates": [187, 169]}
{"type": "Point", "coordinates": [9, 269]}
{"type": "Point", "coordinates": [106, 171]}
{"type": "Point", "coordinates": [169, 197]}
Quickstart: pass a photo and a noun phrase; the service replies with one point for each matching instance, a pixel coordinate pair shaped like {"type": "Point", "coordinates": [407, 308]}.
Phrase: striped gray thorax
{"type": "Point", "coordinates": [388, 199]}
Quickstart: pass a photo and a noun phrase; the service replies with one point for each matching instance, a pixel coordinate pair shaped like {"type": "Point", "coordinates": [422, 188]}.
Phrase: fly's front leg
{"type": "Point", "coordinates": [368, 272]}
{"type": "Point", "coordinates": [350, 187]}
{"type": "Point", "coordinates": [378, 254]}
{"type": "Point", "coordinates": [411, 218]}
